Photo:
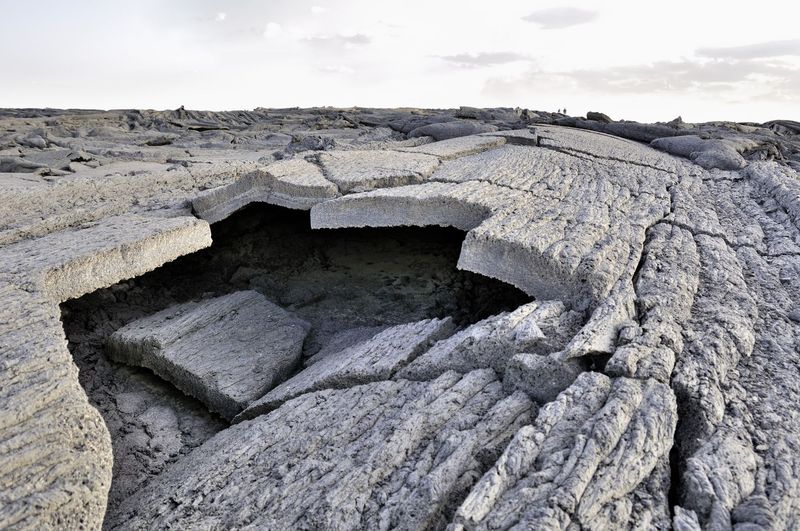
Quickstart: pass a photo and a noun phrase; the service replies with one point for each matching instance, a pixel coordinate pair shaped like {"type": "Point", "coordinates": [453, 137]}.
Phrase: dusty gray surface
{"type": "Point", "coordinates": [227, 351]}
{"type": "Point", "coordinates": [652, 383]}
{"type": "Point", "coordinates": [376, 359]}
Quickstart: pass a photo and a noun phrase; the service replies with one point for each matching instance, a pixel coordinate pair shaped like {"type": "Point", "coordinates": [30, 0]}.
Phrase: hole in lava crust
{"type": "Point", "coordinates": [334, 279]}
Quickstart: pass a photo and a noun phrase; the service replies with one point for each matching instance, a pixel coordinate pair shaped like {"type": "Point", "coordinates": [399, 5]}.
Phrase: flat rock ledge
{"type": "Point", "coordinates": [227, 351]}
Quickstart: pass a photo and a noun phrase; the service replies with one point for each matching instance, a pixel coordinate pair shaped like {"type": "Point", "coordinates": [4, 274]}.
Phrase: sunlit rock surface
{"type": "Point", "coordinates": [651, 381]}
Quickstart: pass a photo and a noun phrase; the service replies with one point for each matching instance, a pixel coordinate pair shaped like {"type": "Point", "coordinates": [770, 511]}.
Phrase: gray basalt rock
{"type": "Point", "coordinates": [55, 455]}
{"type": "Point", "coordinates": [375, 359]}
{"type": "Point", "coordinates": [665, 288]}
{"type": "Point", "coordinates": [542, 377]}
{"type": "Point", "coordinates": [291, 183]}
{"type": "Point", "coordinates": [226, 351]}
{"type": "Point", "coordinates": [540, 327]}
{"type": "Point", "coordinates": [709, 153]}
{"type": "Point", "coordinates": [458, 147]}
{"type": "Point", "coordinates": [443, 131]}
{"type": "Point", "coordinates": [355, 171]}
{"type": "Point", "coordinates": [393, 454]}
{"type": "Point", "coordinates": [662, 344]}
{"type": "Point", "coordinates": [622, 129]}
{"type": "Point", "coordinates": [581, 461]}
{"type": "Point", "coordinates": [598, 117]}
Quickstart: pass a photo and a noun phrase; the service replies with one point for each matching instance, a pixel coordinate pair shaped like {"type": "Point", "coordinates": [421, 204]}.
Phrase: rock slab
{"type": "Point", "coordinates": [375, 359]}
{"type": "Point", "coordinates": [227, 351]}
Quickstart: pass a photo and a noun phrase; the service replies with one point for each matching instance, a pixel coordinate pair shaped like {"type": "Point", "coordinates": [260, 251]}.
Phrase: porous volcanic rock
{"type": "Point", "coordinates": [649, 380]}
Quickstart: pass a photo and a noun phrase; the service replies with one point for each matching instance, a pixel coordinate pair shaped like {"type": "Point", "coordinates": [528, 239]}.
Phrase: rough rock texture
{"type": "Point", "coordinates": [458, 147]}
{"type": "Point", "coordinates": [55, 452]}
{"type": "Point", "coordinates": [581, 462]}
{"type": "Point", "coordinates": [380, 455]}
{"type": "Point", "coordinates": [536, 327]}
{"type": "Point", "coordinates": [357, 171]}
{"type": "Point", "coordinates": [373, 360]}
{"type": "Point", "coordinates": [338, 282]}
{"type": "Point", "coordinates": [445, 130]}
{"type": "Point", "coordinates": [291, 183]}
{"type": "Point", "coordinates": [227, 351]}
{"type": "Point", "coordinates": [653, 381]}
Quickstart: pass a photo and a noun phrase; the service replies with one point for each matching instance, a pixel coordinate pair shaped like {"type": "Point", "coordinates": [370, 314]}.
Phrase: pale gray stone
{"type": "Point", "coordinates": [542, 377]}
{"type": "Point", "coordinates": [226, 351]}
{"type": "Point", "coordinates": [386, 454]}
{"type": "Point", "coordinates": [356, 171]}
{"type": "Point", "coordinates": [679, 267]}
{"type": "Point", "coordinates": [723, 154]}
{"type": "Point", "coordinates": [540, 327]}
{"type": "Point", "coordinates": [375, 359]}
{"type": "Point", "coordinates": [584, 454]}
{"type": "Point", "coordinates": [458, 147]}
{"type": "Point", "coordinates": [446, 130]}
{"type": "Point", "coordinates": [292, 183]}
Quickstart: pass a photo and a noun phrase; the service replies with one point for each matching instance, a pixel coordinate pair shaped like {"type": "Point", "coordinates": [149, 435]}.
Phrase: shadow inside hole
{"type": "Point", "coordinates": [334, 279]}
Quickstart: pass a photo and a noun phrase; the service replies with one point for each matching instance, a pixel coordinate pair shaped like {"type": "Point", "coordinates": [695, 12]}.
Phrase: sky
{"type": "Point", "coordinates": [646, 61]}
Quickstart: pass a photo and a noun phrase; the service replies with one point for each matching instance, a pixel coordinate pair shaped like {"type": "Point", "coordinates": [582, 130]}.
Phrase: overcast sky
{"type": "Point", "coordinates": [631, 59]}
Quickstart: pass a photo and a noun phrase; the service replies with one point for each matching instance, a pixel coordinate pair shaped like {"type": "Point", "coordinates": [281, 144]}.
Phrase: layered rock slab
{"type": "Point", "coordinates": [458, 147]}
{"type": "Point", "coordinates": [227, 351]}
{"type": "Point", "coordinates": [393, 454]}
{"type": "Point", "coordinates": [375, 359]}
{"type": "Point", "coordinates": [292, 183]}
{"type": "Point", "coordinates": [94, 255]}
{"type": "Point", "coordinates": [539, 327]}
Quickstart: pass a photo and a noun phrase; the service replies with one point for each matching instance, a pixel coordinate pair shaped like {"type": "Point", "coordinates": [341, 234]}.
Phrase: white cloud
{"type": "Point", "coordinates": [561, 17]}
{"type": "Point", "coordinates": [272, 30]}
{"type": "Point", "coordinates": [400, 53]}
{"type": "Point", "coordinates": [221, 16]}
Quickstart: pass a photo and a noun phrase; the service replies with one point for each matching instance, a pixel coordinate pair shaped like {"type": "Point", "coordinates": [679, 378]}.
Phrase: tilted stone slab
{"type": "Point", "coordinates": [292, 183]}
{"type": "Point", "coordinates": [541, 327]}
{"type": "Point", "coordinates": [227, 351]}
{"type": "Point", "coordinates": [385, 455]}
{"type": "Point", "coordinates": [344, 339]}
{"type": "Point", "coordinates": [601, 146]}
{"type": "Point", "coordinates": [117, 188]}
{"type": "Point", "coordinates": [79, 260]}
{"type": "Point", "coordinates": [358, 171]}
{"type": "Point", "coordinates": [375, 359]}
